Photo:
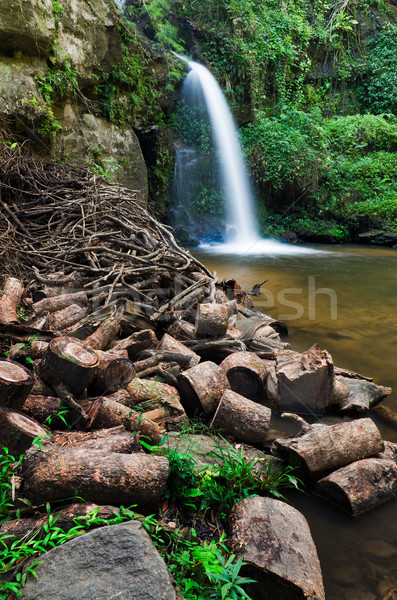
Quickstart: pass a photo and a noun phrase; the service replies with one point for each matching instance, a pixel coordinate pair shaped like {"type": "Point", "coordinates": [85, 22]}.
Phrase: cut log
{"type": "Point", "coordinates": [113, 372]}
{"type": "Point", "coordinates": [246, 374]}
{"type": "Point", "coordinates": [155, 396]}
{"type": "Point", "coordinates": [18, 529]}
{"type": "Point", "coordinates": [387, 414]}
{"type": "Point", "coordinates": [116, 439]}
{"type": "Point", "coordinates": [45, 409]}
{"type": "Point", "coordinates": [275, 542]}
{"type": "Point", "coordinates": [258, 327]}
{"type": "Point", "coordinates": [360, 486]}
{"type": "Point", "coordinates": [362, 394]}
{"type": "Point", "coordinates": [182, 330]}
{"type": "Point", "coordinates": [69, 362]}
{"type": "Point", "coordinates": [103, 335]}
{"type": "Point", "coordinates": [67, 317]}
{"type": "Point", "coordinates": [56, 303]}
{"type": "Point", "coordinates": [211, 320]}
{"type": "Point", "coordinates": [136, 343]}
{"type": "Point", "coordinates": [262, 320]}
{"type": "Point", "coordinates": [40, 388]}
{"type": "Point", "coordinates": [105, 478]}
{"type": "Point", "coordinates": [16, 383]}
{"type": "Point", "coordinates": [305, 381]}
{"type": "Point", "coordinates": [107, 413]}
{"type": "Point", "coordinates": [327, 448]}
{"type": "Point", "coordinates": [9, 301]}
{"type": "Point", "coordinates": [245, 420]}
{"type": "Point", "coordinates": [170, 344]}
{"type": "Point", "coordinates": [18, 431]}
{"type": "Point", "coordinates": [202, 387]}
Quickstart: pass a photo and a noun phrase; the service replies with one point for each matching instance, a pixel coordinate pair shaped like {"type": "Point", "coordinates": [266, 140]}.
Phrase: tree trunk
{"type": "Point", "coordinates": [107, 413]}
{"type": "Point", "coordinates": [62, 319]}
{"type": "Point", "coordinates": [56, 303]}
{"type": "Point", "coordinates": [305, 381]}
{"type": "Point", "coordinates": [9, 301]}
{"type": "Point", "coordinates": [245, 420]}
{"type": "Point", "coordinates": [136, 343]}
{"type": "Point", "coordinates": [69, 362]}
{"type": "Point", "coordinates": [275, 542]}
{"type": "Point", "coordinates": [360, 486]}
{"type": "Point", "coordinates": [105, 478]}
{"type": "Point", "coordinates": [246, 374]}
{"type": "Point", "coordinates": [201, 387]}
{"type": "Point", "coordinates": [211, 320]}
{"type": "Point", "coordinates": [103, 335]}
{"type": "Point", "coordinates": [19, 430]}
{"type": "Point", "coordinates": [182, 330]}
{"type": "Point", "coordinates": [116, 439]}
{"type": "Point", "coordinates": [155, 396]}
{"type": "Point", "coordinates": [16, 383]}
{"type": "Point", "coordinates": [170, 344]}
{"type": "Point", "coordinates": [113, 372]}
{"type": "Point", "coordinates": [361, 396]}
{"type": "Point", "coordinates": [327, 448]}
{"type": "Point", "coordinates": [45, 409]}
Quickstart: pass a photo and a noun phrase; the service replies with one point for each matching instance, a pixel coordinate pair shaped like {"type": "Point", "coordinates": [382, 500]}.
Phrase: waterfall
{"type": "Point", "coordinates": [201, 91]}
{"type": "Point", "coordinates": [241, 228]}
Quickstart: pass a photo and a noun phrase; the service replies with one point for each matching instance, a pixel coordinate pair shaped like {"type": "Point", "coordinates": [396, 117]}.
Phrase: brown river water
{"type": "Point", "coordinates": [344, 298]}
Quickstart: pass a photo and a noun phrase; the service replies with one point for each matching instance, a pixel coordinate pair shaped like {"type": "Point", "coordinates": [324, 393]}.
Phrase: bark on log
{"type": "Point", "coordinates": [107, 413]}
{"type": "Point", "coordinates": [211, 320]}
{"type": "Point", "coordinates": [9, 301]}
{"type": "Point", "coordinates": [305, 381]}
{"type": "Point", "coordinates": [69, 362]}
{"type": "Point", "coordinates": [57, 303]}
{"type": "Point", "coordinates": [361, 396]}
{"type": "Point", "coordinates": [67, 317]}
{"type": "Point", "coordinates": [103, 335]}
{"type": "Point", "coordinates": [16, 383]}
{"type": "Point", "coordinates": [245, 420]}
{"type": "Point", "coordinates": [202, 387]}
{"type": "Point", "coordinates": [136, 343]}
{"type": "Point", "coordinates": [246, 374]}
{"type": "Point", "coordinates": [170, 344]}
{"type": "Point", "coordinates": [182, 330]}
{"type": "Point", "coordinates": [40, 388]}
{"type": "Point", "coordinates": [155, 396]}
{"type": "Point", "coordinates": [21, 528]}
{"type": "Point", "coordinates": [18, 430]}
{"type": "Point", "coordinates": [258, 327]}
{"type": "Point", "coordinates": [113, 372]}
{"type": "Point", "coordinates": [106, 478]}
{"type": "Point", "coordinates": [360, 486]}
{"type": "Point", "coordinates": [116, 439]}
{"type": "Point", "coordinates": [327, 448]}
{"type": "Point", "coordinates": [274, 540]}
{"type": "Point", "coordinates": [45, 410]}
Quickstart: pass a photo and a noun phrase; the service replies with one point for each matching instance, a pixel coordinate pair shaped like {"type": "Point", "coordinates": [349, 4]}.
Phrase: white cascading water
{"type": "Point", "coordinates": [241, 223]}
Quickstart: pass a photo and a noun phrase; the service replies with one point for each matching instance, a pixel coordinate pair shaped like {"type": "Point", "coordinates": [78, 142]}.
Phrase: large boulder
{"type": "Point", "coordinates": [96, 143]}
{"type": "Point", "coordinates": [119, 561]}
{"type": "Point", "coordinates": [27, 26]}
{"type": "Point", "coordinates": [88, 35]}
{"type": "Point", "coordinates": [274, 540]}
{"type": "Point", "coordinates": [20, 99]}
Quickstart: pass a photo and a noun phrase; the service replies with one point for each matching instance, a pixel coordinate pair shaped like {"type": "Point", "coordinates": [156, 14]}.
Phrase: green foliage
{"type": "Point", "coordinates": [60, 80]}
{"type": "Point", "coordinates": [8, 465]}
{"type": "Point", "coordinates": [160, 14]}
{"type": "Point", "coordinates": [379, 94]}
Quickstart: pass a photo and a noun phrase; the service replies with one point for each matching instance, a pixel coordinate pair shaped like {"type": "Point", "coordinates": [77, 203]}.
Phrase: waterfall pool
{"type": "Point", "coordinates": [344, 298]}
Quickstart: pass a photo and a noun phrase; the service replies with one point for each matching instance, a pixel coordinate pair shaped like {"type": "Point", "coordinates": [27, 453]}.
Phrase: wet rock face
{"type": "Point", "coordinates": [275, 540]}
{"type": "Point", "coordinates": [119, 561]}
{"type": "Point", "coordinates": [27, 26]}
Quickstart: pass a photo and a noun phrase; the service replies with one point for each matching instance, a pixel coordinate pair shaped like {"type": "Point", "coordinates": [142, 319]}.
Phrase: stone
{"type": "Point", "coordinates": [90, 140]}
{"type": "Point", "coordinates": [118, 561]}
{"type": "Point", "coordinates": [19, 97]}
{"type": "Point", "coordinates": [27, 26]}
{"type": "Point", "coordinates": [274, 540]}
{"type": "Point", "coordinates": [88, 37]}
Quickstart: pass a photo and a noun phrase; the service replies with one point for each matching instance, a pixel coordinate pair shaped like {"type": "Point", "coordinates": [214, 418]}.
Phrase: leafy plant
{"type": "Point", "coordinates": [8, 465]}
